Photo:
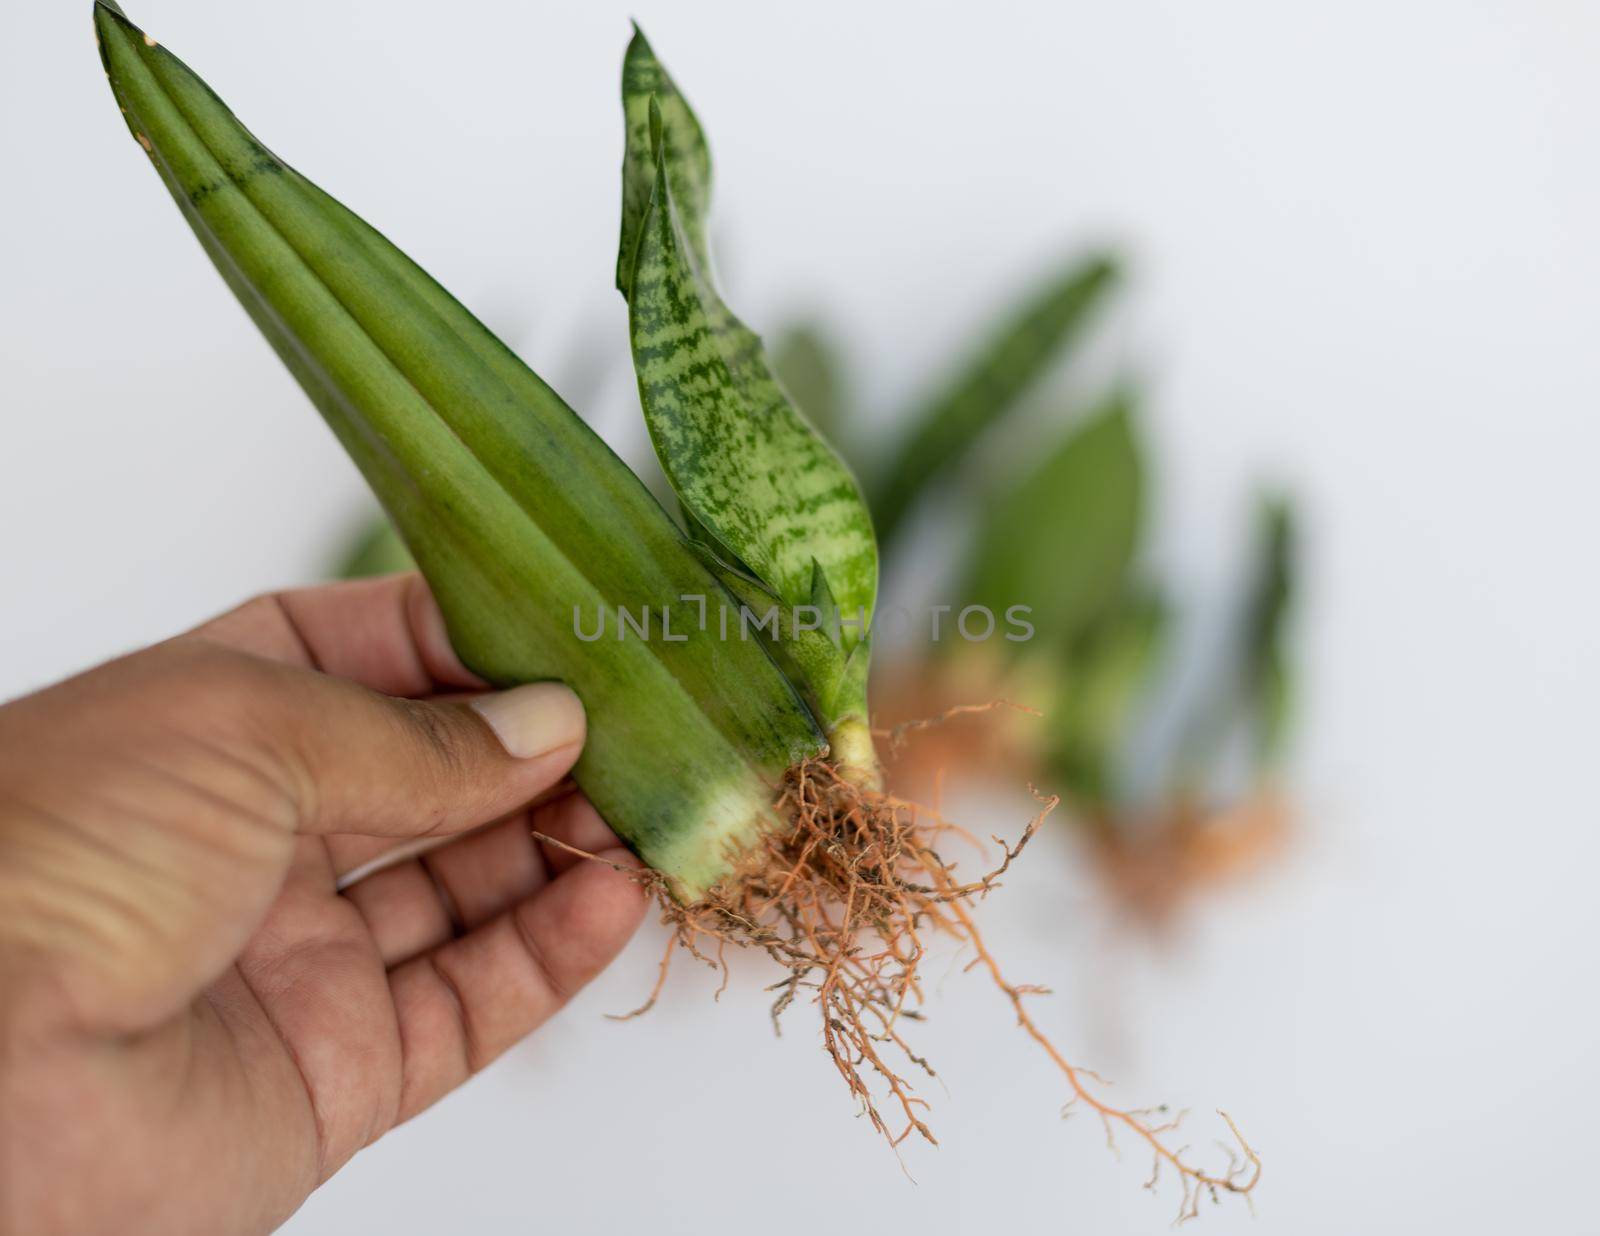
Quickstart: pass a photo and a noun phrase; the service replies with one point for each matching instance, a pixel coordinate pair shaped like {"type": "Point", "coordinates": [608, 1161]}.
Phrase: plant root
{"type": "Point", "coordinates": [1156, 866]}
{"type": "Point", "coordinates": [1241, 1175]}
{"type": "Point", "coordinates": [846, 902]}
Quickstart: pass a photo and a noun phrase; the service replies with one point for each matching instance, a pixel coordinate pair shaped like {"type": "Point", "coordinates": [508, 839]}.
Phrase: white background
{"type": "Point", "coordinates": [1367, 261]}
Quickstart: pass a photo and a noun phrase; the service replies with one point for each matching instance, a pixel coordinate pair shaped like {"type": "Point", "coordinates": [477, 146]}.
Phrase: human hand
{"type": "Point", "coordinates": [197, 1027]}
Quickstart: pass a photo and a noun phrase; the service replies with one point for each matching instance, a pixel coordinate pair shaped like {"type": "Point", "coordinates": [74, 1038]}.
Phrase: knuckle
{"type": "Point", "coordinates": [443, 741]}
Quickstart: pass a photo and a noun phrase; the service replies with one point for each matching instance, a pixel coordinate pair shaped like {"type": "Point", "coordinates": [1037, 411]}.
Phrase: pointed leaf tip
{"type": "Point", "coordinates": [656, 116]}
{"type": "Point", "coordinates": [110, 12]}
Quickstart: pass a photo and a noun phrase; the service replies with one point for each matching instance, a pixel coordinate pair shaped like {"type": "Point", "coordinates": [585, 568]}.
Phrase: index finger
{"type": "Point", "coordinates": [385, 633]}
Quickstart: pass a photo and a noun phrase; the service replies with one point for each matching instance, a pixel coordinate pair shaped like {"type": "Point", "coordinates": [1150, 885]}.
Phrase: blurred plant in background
{"type": "Point", "coordinates": [1062, 528]}
{"type": "Point", "coordinates": [1173, 793]}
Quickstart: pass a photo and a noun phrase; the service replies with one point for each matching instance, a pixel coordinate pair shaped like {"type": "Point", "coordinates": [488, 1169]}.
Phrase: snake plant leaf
{"type": "Point", "coordinates": [521, 518]}
{"type": "Point", "coordinates": [1265, 654]}
{"type": "Point", "coordinates": [1104, 677]}
{"type": "Point", "coordinates": [746, 465]}
{"type": "Point", "coordinates": [688, 158]}
{"type": "Point", "coordinates": [1004, 368]}
{"type": "Point", "coordinates": [1062, 540]}
{"type": "Point", "coordinates": [808, 367]}
{"type": "Point", "coordinates": [805, 640]}
{"type": "Point", "coordinates": [1248, 695]}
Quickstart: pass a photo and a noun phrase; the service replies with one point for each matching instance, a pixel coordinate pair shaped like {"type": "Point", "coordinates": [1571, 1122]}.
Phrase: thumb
{"type": "Point", "coordinates": [360, 762]}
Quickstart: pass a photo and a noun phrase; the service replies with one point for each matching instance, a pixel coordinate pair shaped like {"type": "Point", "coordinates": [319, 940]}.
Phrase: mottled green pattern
{"type": "Point", "coordinates": [752, 474]}
{"type": "Point", "coordinates": [1062, 540]}
{"type": "Point", "coordinates": [805, 642]}
{"type": "Point", "coordinates": [517, 513]}
{"type": "Point", "coordinates": [749, 469]}
{"type": "Point", "coordinates": [1002, 370]}
{"type": "Point", "coordinates": [688, 158]}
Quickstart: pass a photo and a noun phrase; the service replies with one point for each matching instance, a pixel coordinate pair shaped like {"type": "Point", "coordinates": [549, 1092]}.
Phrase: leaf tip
{"type": "Point", "coordinates": [640, 56]}
{"type": "Point", "coordinates": [1105, 263]}
{"type": "Point", "coordinates": [109, 12]}
{"type": "Point", "coordinates": [106, 12]}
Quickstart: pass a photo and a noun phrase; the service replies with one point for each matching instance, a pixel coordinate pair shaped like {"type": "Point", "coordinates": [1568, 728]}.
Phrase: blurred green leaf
{"type": "Point", "coordinates": [1104, 676]}
{"type": "Point", "coordinates": [376, 549]}
{"type": "Point", "coordinates": [1016, 355]}
{"type": "Point", "coordinates": [810, 369]}
{"type": "Point", "coordinates": [1266, 686]}
{"type": "Point", "coordinates": [1062, 540]}
{"type": "Point", "coordinates": [1248, 696]}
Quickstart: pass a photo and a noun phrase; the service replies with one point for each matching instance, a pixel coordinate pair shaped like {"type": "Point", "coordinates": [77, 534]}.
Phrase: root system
{"type": "Point", "coordinates": [847, 903]}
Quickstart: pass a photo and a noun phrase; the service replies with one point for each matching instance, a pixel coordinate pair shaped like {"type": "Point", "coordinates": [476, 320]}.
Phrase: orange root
{"type": "Point", "coordinates": [846, 902]}
{"type": "Point", "coordinates": [1243, 1172]}
{"type": "Point", "coordinates": [1155, 867]}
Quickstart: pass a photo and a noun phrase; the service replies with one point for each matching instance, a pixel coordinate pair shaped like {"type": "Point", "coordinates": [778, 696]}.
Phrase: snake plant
{"type": "Point", "coordinates": [530, 530]}
{"type": "Point", "coordinates": [738, 765]}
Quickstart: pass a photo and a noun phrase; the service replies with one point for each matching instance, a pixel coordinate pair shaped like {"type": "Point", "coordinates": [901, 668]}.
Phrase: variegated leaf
{"type": "Point", "coordinates": [746, 465]}
{"type": "Point", "coordinates": [688, 159]}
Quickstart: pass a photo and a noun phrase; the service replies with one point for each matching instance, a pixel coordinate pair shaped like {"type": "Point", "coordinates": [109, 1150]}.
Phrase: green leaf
{"type": "Point", "coordinates": [1019, 352]}
{"type": "Point", "coordinates": [1247, 693]}
{"type": "Point", "coordinates": [688, 158]}
{"type": "Point", "coordinates": [1104, 677]}
{"type": "Point", "coordinates": [750, 471]}
{"type": "Point", "coordinates": [803, 639]}
{"type": "Point", "coordinates": [1266, 668]}
{"type": "Point", "coordinates": [376, 549]}
{"type": "Point", "coordinates": [521, 518]}
{"type": "Point", "coordinates": [1062, 540]}
{"type": "Point", "coordinates": [808, 366]}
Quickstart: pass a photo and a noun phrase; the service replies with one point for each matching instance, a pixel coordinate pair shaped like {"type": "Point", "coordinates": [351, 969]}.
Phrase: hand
{"type": "Point", "coordinates": [197, 1027]}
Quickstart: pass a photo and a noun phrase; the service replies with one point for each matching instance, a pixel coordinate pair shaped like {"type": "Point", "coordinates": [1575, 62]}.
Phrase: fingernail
{"type": "Point", "coordinates": [534, 719]}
